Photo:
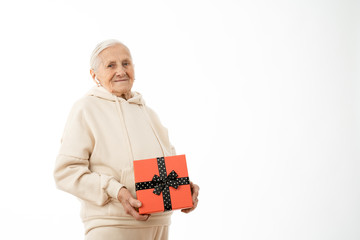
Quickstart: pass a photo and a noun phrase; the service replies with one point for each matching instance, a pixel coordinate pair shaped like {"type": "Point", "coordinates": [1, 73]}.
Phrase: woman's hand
{"type": "Point", "coordinates": [129, 203]}
{"type": "Point", "coordinates": [194, 194]}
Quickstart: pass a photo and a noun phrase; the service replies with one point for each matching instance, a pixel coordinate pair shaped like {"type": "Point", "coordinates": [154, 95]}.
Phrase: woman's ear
{"type": "Point", "coordinates": [93, 75]}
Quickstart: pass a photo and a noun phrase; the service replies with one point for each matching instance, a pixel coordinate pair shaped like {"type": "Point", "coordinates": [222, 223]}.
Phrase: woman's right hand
{"type": "Point", "coordinates": [129, 203]}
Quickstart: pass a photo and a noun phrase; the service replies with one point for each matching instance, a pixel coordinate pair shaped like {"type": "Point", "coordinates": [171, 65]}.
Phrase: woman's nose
{"type": "Point", "coordinates": [121, 71]}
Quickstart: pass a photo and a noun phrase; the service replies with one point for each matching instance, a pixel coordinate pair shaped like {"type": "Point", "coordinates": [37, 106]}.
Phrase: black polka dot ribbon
{"type": "Point", "coordinates": [163, 182]}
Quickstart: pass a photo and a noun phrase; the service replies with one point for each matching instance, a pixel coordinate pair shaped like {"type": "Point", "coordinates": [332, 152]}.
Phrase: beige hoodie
{"type": "Point", "coordinates": [102, 137]}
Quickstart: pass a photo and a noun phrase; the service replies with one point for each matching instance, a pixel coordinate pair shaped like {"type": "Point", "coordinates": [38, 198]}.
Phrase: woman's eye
{"type": "Point", "coordinates": [125, 64]}
{"type": "Point", "coordinates": [110, 65]}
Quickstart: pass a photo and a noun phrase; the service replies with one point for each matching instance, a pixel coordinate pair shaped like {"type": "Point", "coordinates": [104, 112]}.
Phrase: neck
{"type": "Point", "coordinates": [125, 96]}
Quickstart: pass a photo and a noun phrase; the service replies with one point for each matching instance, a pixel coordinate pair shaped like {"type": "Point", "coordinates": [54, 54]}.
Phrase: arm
{"type": "Point", "coordinates": [72, 172]}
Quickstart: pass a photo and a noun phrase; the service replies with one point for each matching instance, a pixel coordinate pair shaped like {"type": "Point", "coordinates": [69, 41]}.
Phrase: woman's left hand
{"type": "Point", "coordinates": [194, 194]}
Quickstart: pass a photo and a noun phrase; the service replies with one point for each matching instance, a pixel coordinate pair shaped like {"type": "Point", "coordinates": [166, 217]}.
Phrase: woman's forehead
{"type": "Point", "coordinates": [115, 53]}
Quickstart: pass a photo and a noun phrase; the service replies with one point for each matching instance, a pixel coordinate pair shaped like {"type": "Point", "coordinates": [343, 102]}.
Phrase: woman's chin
{"type": "Point", "coordinates": [121, 91]}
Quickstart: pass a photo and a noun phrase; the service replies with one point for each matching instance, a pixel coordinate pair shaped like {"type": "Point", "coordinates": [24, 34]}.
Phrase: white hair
{"type": "Point", "coordinates": [94, 60]}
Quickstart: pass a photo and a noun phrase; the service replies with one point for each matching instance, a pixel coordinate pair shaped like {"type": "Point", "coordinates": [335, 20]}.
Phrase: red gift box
{"type": "Point", "coordinates": [162, 184]}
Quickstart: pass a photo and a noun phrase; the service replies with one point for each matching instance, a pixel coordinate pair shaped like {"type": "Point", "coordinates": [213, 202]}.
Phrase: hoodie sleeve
{"type": "Point", "coordinates": [72, 172]}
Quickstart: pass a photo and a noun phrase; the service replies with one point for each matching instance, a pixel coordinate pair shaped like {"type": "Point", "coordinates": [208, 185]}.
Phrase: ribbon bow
{"type": "Point", "coordinates": [160, 183]}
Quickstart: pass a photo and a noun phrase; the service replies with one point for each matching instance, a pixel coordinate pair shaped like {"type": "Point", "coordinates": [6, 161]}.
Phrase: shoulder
{"type": "Point", "coordinates": [151, 112]}
{"type": "Point", "coordinates": [84, 104]}
{"type": "Point", "coordinates": [82, 108]}
{"type": "Point", "coordinates": [154, 117]}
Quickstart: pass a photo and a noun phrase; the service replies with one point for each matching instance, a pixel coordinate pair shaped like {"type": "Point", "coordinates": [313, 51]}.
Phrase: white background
{"type": "Point", "coordinates": [262, 96]}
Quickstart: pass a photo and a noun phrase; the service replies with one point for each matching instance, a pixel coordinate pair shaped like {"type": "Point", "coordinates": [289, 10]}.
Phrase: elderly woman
{"type": "Point", "coordinates": [106, 131]}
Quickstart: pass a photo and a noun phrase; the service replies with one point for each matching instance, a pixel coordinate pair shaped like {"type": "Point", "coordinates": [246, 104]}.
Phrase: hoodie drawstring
{"type": "Point", "coordinates": [121, 116]}
{"type": "Point", "coordinates": [152, 127]}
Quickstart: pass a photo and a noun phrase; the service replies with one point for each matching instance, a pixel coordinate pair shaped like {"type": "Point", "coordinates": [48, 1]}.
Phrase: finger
{"type": "Point", "coordinates": [194, 198]}
{"type": "Point", "coordinates": [131, 211]}
{"type": "Point", "coordinates": [134, 202]}
{"type": "Point", "coordinates": [187, 210]}
{"type": "Point", "coordinates": [141, 217]}
{"type": "Point", "coordinates": [196, 190]}
{"type": "Point", "coordinates": [195, 203]}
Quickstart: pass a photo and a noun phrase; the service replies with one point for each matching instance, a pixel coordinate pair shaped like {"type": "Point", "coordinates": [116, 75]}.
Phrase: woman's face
{"type": "Point", "coordinates": [115, 71]}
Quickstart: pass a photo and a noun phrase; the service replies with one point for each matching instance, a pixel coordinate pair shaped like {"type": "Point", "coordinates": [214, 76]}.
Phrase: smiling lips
{"type": "Point", "coordinates": [121, 80]}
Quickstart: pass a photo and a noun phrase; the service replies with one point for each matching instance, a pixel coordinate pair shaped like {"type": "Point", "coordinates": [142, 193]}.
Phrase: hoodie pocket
{"type": "Point", "coordinates": [127, 179]}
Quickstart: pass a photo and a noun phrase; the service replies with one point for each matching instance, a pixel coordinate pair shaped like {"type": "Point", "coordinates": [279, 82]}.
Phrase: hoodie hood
{"type": "Point", "coordinates": [102, 93]}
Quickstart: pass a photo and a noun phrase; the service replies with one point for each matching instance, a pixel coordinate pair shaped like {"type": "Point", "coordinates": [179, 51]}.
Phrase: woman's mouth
{"type": "Point", "coordinates": [121, 80]}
